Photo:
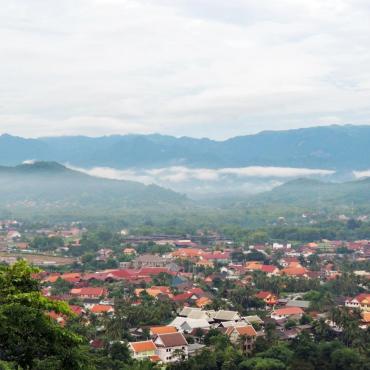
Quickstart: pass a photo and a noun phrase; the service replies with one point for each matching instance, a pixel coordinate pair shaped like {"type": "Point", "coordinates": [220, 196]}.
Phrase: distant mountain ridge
{"type": "Point", "coordinates": [327, 147]}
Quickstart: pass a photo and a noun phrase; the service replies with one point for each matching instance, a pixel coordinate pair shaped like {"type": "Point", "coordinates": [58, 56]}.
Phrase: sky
{"type": "Point", "coordinates": [201, 68]}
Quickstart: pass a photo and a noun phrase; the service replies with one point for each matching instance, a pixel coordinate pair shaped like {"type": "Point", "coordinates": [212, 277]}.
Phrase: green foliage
{"type": "Point", "coordinates": [27, 335]}
{"type": "Point", "coordinates": [45, 243]}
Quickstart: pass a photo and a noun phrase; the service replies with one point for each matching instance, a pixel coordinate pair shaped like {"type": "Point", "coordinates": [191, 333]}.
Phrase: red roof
{"type": "Point", "coordinates": [288, 311]}
{"type": "Point", "coordinates": [147, 271]}
{"type": "Point", "coordinates": [96, 292]}
{"type": "Point", "coordinates": [294, 271]}
{"type": "Point", "coordinates": [363, 297]}
{"type": "Point", "coordinates": [246, 330]}
{"type": "Point", "coordinates": [269, 269]}
{"type": "Point", "coordinates": [101, 308]}
{"type": "Point", "coordinates": [263, 294]}
{"type": "Point", "coordinates": [78, 310]}
{"type": "Point", "coordinates": [216, 256]}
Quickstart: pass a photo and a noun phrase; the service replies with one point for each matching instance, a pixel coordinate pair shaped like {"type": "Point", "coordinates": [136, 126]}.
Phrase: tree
{"type": "Point", "coordinates": [28, 336]}
{"type": "Point", "coordinates": [61, 287]}
{"type": "Point", "coordinates": [262, 364]}
{"type": "Point", "coordinates": [119, 351]}
{"type": "Point", "coordinates": [345, 358]}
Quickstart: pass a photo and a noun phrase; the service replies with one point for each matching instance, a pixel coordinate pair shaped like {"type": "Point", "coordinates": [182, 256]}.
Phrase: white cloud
{"type": "Point", "coordinates": [361, 174]}
{"type": "Point", "coordinates": [185, 67]}
{"type": "Point", "coordinates": [206, 181]}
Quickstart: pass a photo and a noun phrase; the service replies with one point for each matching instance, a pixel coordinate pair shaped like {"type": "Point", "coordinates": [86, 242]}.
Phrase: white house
{"type": "Point", "coordinates": [171, 347]}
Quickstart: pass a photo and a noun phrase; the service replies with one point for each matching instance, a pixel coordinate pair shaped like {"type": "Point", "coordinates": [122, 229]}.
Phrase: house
{"type": "Point", "coordinates": [361, 301]}
{"type": "Point", "coordinates": [284, 313]}
{"type": "Point", "coordinates": [205, 264]}
{"type": "Point", "coordinates": [270, 270]}
{"type": "Point", "coordinates": [154, 291]}
{"type": "Point", "coordinates": [149, 260]}
{"type": "Point", "coordinates": [156, 330]}
{"type": "Point", "coordinates": [187, 253]}
{"type": "Point", "coordinates": [12, 235]}
{"type": "Point", "coordinates": [269, 298]}
{"type": "Point", "coordinates": [295, 271]}
{"type": "Point", "coordinates": [185, 297]}
{"type": "Point", "coordinates": [142, 350]}
{"type": "Point", "coordinates": [202, 302]}
{"type": "Point", "coordinates": [197, 313]}
{"type": "Point", "coordinates": [187, 325]}
{"type": "Point", "coordinates": [171, 347]}
{"type": "Point", "coordinates": [22, 245]}
{"type": "Point", "coordinates": [89, 293]}
{"type": "Point", "coordinates": [129, 251]}
{"type": "Point", "coordinates": [254, 319]}
{"type": "Point", "coordinates": [287, 261]}
{"type": "Point", "coordinates": [216, 256]}
{"type": "Point", "coordinates": [253, 266]}
{"type": "Point", "coordinates": [100, 309]}
{"type": "Point", "coordinates": [224, 315]}
{"type": "Point", "coordinates": [298, 303]}
{"type": "Point", "coordinates": [245, 335]}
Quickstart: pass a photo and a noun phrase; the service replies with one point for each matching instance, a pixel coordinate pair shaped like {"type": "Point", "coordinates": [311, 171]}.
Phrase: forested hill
{"type": "Point", "coordinates": [314, 193]}
{"type": "Point", "coordinates": [330, 147]}
{"type": "Point", "coordinates": [50, 185]}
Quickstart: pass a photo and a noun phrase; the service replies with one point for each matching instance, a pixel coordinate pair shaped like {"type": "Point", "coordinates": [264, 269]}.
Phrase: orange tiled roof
{"type": "Point", "coordinates": [101, 308]}
{"type": "Point", "coordinates": [145, 346]}
{"type": "Point", "coordinates": [203, 301]}
{"type": "Point", "coordinates": [253, 265]}
{"type": "Point", "coordinates": [288, 311]}
{"type": "Point", "coordinates": [294, 271]}
{"type": "Point", "coordinates": [246, 330]}
{"type": "Point", "coordinates": [163, 330]}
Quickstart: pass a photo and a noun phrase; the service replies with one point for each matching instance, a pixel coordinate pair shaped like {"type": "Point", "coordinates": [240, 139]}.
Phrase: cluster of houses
{"type": "Point", "coordinates": [169, 342]}
{"type": "Point", "coordinates": [192, 290]}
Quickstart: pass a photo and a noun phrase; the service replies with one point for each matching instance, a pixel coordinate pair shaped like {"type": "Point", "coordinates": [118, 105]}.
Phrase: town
{"type": "Point", "coordinates": [164, 300]}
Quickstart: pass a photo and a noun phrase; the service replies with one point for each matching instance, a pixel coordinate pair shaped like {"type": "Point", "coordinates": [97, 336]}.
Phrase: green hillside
{"type": "Point", "coordinates": [50, 186]}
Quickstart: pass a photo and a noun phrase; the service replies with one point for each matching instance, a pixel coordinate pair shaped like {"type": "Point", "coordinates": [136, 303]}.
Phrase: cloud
{"type": "Point", "coordinates": [256, 171]}
{"type": "Point", "coordinates": [208, 181]}
{"type": "Point", "coordinates": [361, 174]}
{"type": "Point", "coordinates": [184, 67]}
{"type": "Point", "coordinates": [29, 161]}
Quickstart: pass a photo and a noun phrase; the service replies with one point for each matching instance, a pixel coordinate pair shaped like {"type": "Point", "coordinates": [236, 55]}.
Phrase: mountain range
{"type": "Point", "coordinates": [51, 187]}
{"type": "Point", "coordinates": [340, 148]}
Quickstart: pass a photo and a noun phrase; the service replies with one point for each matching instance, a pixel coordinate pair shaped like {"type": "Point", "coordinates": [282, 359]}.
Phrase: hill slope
{"type": "Point", "coordinates": [49, 185]}
{"type": "Point", "coordinates": [313, 193]}
{"type": "Point", "coordinates": [330, 147]}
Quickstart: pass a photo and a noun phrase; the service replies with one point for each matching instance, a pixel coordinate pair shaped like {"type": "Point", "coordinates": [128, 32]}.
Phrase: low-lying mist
{"type": "Point", "coordinates": [206, 182]}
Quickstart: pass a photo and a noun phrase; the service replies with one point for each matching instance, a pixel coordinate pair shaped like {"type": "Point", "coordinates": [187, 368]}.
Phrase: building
{"type": "Point", "coordinates": [149, 260]}
{"type": "Point", "coordinates": [244, 335]}
{"type": "Point", "coordinates": [361, 301]}
{"type": "Point", "coordinates": [142, 350]}
{"type": "Point", "coordinates": [156, 330]}
{"type": "Point", "coordinates": [89, 293]}
{"type": "Point", "coordinates": [287, 312]}
{"type": "Point", "coordinates": [171, 347]}
{"type": "Point", "coordinates": [269, 298]}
